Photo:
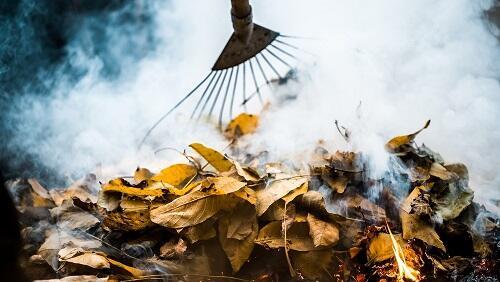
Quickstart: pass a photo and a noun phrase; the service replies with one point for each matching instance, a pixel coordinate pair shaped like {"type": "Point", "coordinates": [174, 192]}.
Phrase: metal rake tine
{"type": "Point", "coordinates": [255, 92]}
{"type": "Point", "coordinates": [278, 58]}
{"type": "Point", "coordinates": [270, 65]}
{"type": "Point", "coordinates": [216, 98]}
{"type": "Point", "coordinates": [172, 109]}
{"type": "Point", "coordinates": [209, 95]}
{"type": "Point", "coordinates": [261, 69]}
{"type": "Point", "coordinates": [255, 82]}
{"type": "Point", "coordinates": [234, 93]}
{"type": "Point", "coordinates": [203, 95]}
{"type": "Point", "coordinates": [294, 47]}
{"type": "Point", "coordinates": [225, 96]}
{"type": "Point", "coordinates": [283, 51]}
{"type": "Point", "coordinates": [244, 84]}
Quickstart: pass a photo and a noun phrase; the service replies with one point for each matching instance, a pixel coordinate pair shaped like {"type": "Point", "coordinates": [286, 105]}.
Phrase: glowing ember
{"type": "Point", "coordinates": [405, 271]}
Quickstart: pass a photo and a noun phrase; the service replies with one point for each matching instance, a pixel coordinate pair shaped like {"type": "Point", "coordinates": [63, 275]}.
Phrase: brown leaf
{"type": "Point", "coordinates": [198, 206]}
{"type": "Point", "coordinates": [380, 247]}
{"type": "Point", "coordinates": [298, 237]}
{"type": "Point", "coordinates": [238, 250]}
{"type": "Point", "coordinates": [295, 193]}
{"type": "Point", "coordinates": [322, 232]}
{"type": "Point", "coordinates": [276, 190]}
{"type": "Point", "coordinates": [441, 172]}
{"type": "Point", "coordinates": [214, 158]}
{"type": "Point", "coordinates": [200, 232]}
{"type": "Point", "coordinates": [338, 184]}
{"type": "Point", "coordinates": [414, 227]}
{"type": "Point", "coordinates": [240, 222]}
{"type": "Point", "coordinates": [313, 265]}
{"type": "Point", "coordinates": [173, 249]}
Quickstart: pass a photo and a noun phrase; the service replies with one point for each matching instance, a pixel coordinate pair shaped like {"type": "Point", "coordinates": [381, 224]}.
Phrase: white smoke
{"type": "Point", "coordinates": [405, 61]}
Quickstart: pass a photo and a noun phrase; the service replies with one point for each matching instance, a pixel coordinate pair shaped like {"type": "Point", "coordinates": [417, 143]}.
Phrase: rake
{"type": "Point", "coordinates": [254, 57]}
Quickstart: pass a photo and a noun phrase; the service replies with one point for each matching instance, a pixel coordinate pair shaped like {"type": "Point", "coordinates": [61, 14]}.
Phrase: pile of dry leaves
{"type": "Point", "coordinates": [222, 218]}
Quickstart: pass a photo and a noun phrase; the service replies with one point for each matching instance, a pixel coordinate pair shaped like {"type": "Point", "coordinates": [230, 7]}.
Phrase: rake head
{"type": "Point", "coordinates": [263, 60]}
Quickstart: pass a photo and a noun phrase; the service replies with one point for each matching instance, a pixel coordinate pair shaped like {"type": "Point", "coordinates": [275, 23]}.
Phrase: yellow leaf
{"type": "Point", "coordinates": [214, 158]}
{"type": "Point", "coordinates": [120, 185]}
{"type": "Point", "coordinates": [247, 194]}
{"type": "Point", "coordinates": [241, 125]}
{"type": "Point", "coordinates": [395, 144]}
{"type": "Point", "coordinates": [176, 174]}
{"type": "Point", "coordinates": [142, 174]}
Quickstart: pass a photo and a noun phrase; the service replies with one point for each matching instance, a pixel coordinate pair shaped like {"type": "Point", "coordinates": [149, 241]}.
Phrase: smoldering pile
{"type": "Point", "coordinates": [236, 217]}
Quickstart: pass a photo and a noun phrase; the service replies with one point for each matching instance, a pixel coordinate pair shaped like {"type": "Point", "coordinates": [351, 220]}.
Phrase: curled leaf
{"type": "Point", "coordinates": [397, 144]}
{"type": "Point", "coordinates": [241, 125]}
{"type": "Point", "coordinates": [214, 158]}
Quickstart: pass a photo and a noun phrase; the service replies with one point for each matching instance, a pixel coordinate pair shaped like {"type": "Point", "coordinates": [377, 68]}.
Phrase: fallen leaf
{"type": "Point", "coordinates": [276, 190]}
{"type": "Point", "coordinates": [122, 186]}
{"type": "Point", "coordinates": [78, 278]}
{"type": "Point", "coordinates": [173, 249]}
{"type": "Point", "coordinates": [235, 244]}
{"type": "Point", "coordinates": [241, 125]}
{"type": "Point", "coordinates": [322, 232]}
{"type": "Point", "coordinates": [441, 172]}
{"type": "Point", "coordinates": [176, 174]}
{"type": "Point", "coordinates": [396, 144]}
{"type": "Point", "coordinates": [298, 238]}
{"type": "Point", "coordinates": [198, 206]}
{"type": "Point", "coordinates": [288, 198]}
{"type": "Point", "coordinates": [240, 222]}
{"type": "Point", "coordinates": [313, 265]}
{"type": "Point", "coordinates": [380, 247]}
{"type": "Point", "coordinates": [247, 194]}
{"type": "Point", "coordinates": [142, 174]}
{"type": "Point", "coordinates": [415, 227]}
{"type": "Point", "coordinates": [200, 232]}
{"type": "Point", "coordinates": [214, 158]}
{"type": "Point", "coordinates": [338, 184]}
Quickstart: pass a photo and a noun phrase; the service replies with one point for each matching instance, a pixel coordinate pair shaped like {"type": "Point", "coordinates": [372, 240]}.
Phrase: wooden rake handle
{"type": "Point", "coordinates": [241, 16]}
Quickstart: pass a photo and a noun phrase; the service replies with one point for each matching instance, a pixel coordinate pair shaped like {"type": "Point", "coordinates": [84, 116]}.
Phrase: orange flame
{"type": "Point", "coordinates": [405, 271]}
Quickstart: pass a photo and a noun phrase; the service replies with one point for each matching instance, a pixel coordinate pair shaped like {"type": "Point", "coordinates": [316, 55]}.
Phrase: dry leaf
{"type": "Point", "coordinates": [198, 206]}
{"type": "Point", "coordinates": [241, 125]}
{"type": "Point", "coordinates": [176, 174]}
{"type": "Point", "coordinates": [122, 186]}
{"type": "Point", "coordinates": [322, 232]}
{"type": "Point", "coordinates": [298, 237]}
{"type": "Point", "coordinates": [338, 184]}
{"type": "Point", "coordinates": [79, 278]}
{"type": "Point", "coordinates": [142, 174]}
{"type": "Point", "coordinates": [441, 172]}
{"type": "Point", "coordinates": [173, 249]}
{"type": "Point", "coordinates": [396, 144]}
{"type": "Point", "coordinates": [414, 227]}
{"type": "Point", "coordinates": [380, 247]}
{"type": "Point", "coordinates": [295, 193]}
{"type": "Point", "coordinates": [313, 265]}
{"type": "Point", "coordinates": [247, 194]}
{"type": "Point", "coordinates": [231, 236]}
{"type": "Point", "coordinates": [199, 232]}
{"type": "Point", "coordinates": [276, 190]}
{"type": "Point", "coordinates": [214, 158]}
{"type": "Point", "coordinates": [240, 221]}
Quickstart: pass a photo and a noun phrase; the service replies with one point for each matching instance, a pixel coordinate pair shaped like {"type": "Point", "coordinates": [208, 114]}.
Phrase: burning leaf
{"type": "Point", "coordinates": [415, 227]}
{"type": "Point", "coordinates": [142, 174]}
{"type": "Point", "coordinates": [380, 247]}
{"type": "Point", "coordinates": [298, 237]}
{"type": "Point", "coordinates": [276, 190]}
{"type": "Point", "coordinates": [176, 174]}
{"type": "Point", "coordinates": [236, 245]}
{"type": "Point", "coordinates": [322, 232]}
{"type": "Point", "coordinates": [397, 144]}
{"type": "Point", "coordinates": [241, 125]}
{"type": "Point", "coordinates": [196, 207]}
{"type": "Point", "coordinates": [214, 158]}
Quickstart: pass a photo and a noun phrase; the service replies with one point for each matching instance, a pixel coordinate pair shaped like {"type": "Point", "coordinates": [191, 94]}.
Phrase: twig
{"type": "Point", "coordinates": [290, 267]}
